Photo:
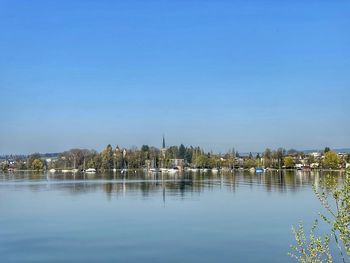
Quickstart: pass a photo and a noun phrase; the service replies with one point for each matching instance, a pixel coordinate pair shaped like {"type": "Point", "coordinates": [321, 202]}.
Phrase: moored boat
{"type": "Point", "coordinates": [173, 170]}
{"type": "Point", "coordinates": [259, 170]}
{"type": "Point", "coordinates": [90, 170]}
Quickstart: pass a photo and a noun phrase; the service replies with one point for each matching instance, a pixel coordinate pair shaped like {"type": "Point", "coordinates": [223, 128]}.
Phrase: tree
{"type": "Point", "coordinates": [327, 149]}
{"type": "Point", "coordinates": [37, 165]}
{"type": "Point", "coordinates": [31, 158]}
{"type": "Point", "coordinates": [249, 163]}
{"type": "Point", "coordinates": [4, 166]}
{"type": "Point", "coordinates": [172, 152]}
{"type": "Point", "coordinates": [188, 155]}
{"type": "Point", "coordinates": [288, 162]}
{"type": "Point", "coordinates": [201, 160]}
{"type": "Point", "coordinates": [280, 153]}
{"type": "Point", "coordinates": [107, 158]}
{"type": "Point", "coordinates": [336, 201]}
{"type": "Point", "coordinates": [267, 157]}
{"type": "Point", "coordinates": [331, 160]}
{"type": "Point", "coordinates": [182, 152]}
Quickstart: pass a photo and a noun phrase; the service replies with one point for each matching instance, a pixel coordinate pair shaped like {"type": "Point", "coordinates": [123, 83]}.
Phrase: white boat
{"type": "Point", "coordinates": [75, 170]}
{"type": "Point", "coordinates": [173, 170]}
{"type": "Point", "coordinates": [114, 170]}
{"type": "Point", "coordinates": [153, 170]}
{"type": "Point", "coordinates": [124, 170]}
{"type": "Point", "coordinates": [215, 170]}
{"type": "Point", "coordinates": [66, 171]}
{"type": "Point", "coordinates": [52, 170]}
{"type": "Point", "coordinates": [90, 170]}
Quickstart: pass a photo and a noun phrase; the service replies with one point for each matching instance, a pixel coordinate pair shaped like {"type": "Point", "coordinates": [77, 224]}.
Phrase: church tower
{"type": "Point", "coordinates": [163, 150]}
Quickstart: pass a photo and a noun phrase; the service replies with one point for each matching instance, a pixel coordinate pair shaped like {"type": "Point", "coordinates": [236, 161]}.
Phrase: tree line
{"type": "Point", "coordinates": [195, 157]}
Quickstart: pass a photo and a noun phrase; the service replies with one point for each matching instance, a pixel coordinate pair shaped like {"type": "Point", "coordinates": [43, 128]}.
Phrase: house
{"type": "Point", "coordinates": [177, 163]}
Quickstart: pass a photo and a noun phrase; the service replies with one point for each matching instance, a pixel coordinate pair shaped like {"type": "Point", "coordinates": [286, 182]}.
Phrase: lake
{"type": "Point", "coordinates": [190, 217]}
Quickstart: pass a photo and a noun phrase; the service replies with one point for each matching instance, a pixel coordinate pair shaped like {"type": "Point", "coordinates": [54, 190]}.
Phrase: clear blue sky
{"type": "Point", "coordinates": [219, 74]}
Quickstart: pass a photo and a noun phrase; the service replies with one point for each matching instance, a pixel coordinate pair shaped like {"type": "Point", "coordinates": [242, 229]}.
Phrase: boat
{"type": "Point", "coordinates": [75, 170]}
{"type": "Point", "coordinates": [52, 170]}
{"type": "Point", "coordinates": [173, 170]}
{"type": "Point", "coordinates": [114, 170]}
{"type": "Point", "coordinates": [66, 171]}
{"type": "Point", "coordinates": [215, 170]}
{"type": "Point", "coordinates": [259, 170]}
{"type": "Point", "coordinates": [153, 170]}
{"type": "Point", "coordinates": [90, 170]}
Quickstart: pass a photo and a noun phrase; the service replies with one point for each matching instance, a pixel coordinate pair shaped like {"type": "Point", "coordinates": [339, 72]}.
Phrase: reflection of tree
{"type": "Point", "coordinates": [178, 185]}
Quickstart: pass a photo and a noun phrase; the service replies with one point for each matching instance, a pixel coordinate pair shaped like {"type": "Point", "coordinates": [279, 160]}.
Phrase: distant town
{"type": "Point", "coordinates": [175, 158]}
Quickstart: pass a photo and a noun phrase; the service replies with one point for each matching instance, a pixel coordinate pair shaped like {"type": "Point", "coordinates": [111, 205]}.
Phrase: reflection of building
{"type": "Point", "coordinates": [163, 152]}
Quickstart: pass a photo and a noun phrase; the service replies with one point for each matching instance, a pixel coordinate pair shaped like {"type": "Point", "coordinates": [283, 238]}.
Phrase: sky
{"type": "Point", "coordinates": [214, 73]}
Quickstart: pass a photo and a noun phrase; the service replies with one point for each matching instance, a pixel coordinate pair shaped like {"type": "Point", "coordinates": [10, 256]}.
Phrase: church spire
{"type": "Point", "coordinates": [163, 142]}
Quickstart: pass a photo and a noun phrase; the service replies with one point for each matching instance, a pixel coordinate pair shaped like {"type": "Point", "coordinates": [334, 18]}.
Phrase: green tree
{"type": "Point", "coordinates": [188, 155]}
{"type": "Point", "coordinates": [327, 149]}
{"type": "Point", "coordinates": [4, 166]}
{"type": "Point", "coordinates": [311, 249]}
{"type": "Point", "coordinates": [31, 158]}
{"type": "Point", "coordinates": [288, 162]}
{"type": "Point", "coordinates": [331, 160]}
{"type": "Point", "coordinates": [267, 157]}
{"type": "Point", "coordinates": [37, 165]}
{"type": "Point", "coordinates": [336, 201]}
{"type": "Point", "coordinates": [107, 158]}
{"type": "Point", "coordinates": [182, 152]}
{"type": "Point", "coordinates": [249, 163]}
{"type": "Point", "coordinates": [202, 160]}
{"type": "Point", "coordinates": [279, 154]}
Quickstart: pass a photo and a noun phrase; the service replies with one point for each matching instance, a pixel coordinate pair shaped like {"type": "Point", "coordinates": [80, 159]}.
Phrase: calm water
{"type": "Point", "coordinates": [240, 217]}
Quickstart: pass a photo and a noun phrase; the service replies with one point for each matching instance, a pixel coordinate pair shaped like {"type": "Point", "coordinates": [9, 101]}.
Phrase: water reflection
{"type": "Point", "coordinates": [141, 217]}
{"type": "Point", "coordinates": [119, 184]}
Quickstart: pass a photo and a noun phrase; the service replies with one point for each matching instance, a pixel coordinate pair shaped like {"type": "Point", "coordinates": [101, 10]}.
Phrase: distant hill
{"type": "Point", "coordinates": [340, 150]}
{"type": "Point", "coordinates": [24, 156]}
